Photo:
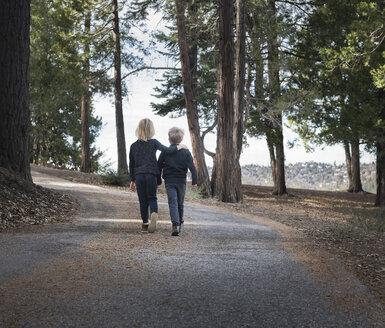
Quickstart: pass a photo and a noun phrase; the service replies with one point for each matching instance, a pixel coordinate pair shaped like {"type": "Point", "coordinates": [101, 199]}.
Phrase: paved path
{"type": "Point", "coordinates": [222, 271]}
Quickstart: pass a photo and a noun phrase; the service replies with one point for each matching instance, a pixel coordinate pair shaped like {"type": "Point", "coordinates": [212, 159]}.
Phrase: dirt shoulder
{"type": "Point", "coordinates": [345, 225]}
{"type": "Point", "coordinates": [24, 203]}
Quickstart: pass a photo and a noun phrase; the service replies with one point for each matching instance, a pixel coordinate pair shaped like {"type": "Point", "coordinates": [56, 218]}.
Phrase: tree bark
{"type": "Point", "coordinates": [380, 172]}
{"type": "Point", "coordinates": [190, 100]}
{"type": "Point", "coordinates": [270, 146]}
{"type": "Point", "coordinates": [280, 183]}
{"type": "Point", "coordinates": [352, 155]}
{"type": "Point", "coordinates": [380, 160]}
{"type": "Point", "coordinates": [85, 165]}
{"type": "Point", "coordinates": [214, 178]}
{"type": "Point", "coordinates": [355, 166]}
{"type": "Point", "coordinates": [239, 107]}
{"type": "Point", "coordinates": [122, 153]}
{"type": "Point", "coordinates": [348, 159]}
{"type": "Point", "coordinates": [14, 87]}
{"type": "Point", "coordinates": [225, 148]}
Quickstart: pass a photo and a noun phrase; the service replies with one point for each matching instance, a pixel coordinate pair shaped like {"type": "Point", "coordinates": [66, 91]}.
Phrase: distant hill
{"type": "Point", "coordinates": [311, 175]}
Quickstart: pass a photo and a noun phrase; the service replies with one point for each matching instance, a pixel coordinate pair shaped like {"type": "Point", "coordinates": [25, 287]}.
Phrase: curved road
{"type": "Point", "coordinates": [100, 271]}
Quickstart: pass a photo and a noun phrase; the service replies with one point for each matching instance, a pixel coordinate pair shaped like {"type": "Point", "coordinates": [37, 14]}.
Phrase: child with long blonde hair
{"type": "Point", "coordinates": [144, 171]}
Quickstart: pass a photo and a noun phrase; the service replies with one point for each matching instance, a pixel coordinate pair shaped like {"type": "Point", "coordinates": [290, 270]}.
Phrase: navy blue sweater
{"type": "Point", "coordinates": [143, 157]}
{"type": "Point", "coordinates": [175, 166]}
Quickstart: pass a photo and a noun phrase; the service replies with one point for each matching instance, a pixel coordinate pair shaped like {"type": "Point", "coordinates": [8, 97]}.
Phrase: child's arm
{"type": "Point", "coordinates": [193, 170]}
{"type": "Point", "coordinates": [160, 166]}
{"type": "Point", "coordinates": [132, 166]}
{"type": "Point", "coordinates": [131, 169]}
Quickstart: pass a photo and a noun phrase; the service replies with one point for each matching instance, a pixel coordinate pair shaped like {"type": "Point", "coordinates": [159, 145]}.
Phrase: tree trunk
{"type": "Point", "coordinates": [274, 94]}
{"type": "Point", "coordinates": [352, 155]}
{"type": "Point", "coordinates": [270, 146]}
{"type": "Point", "coordinates": [190, 100]}
{"type": "Point", "coordinates": [280, 183]}
{"type": "Point", "coordinates": [225, 191]}
{"type": "Point", "coordinates": [380, 161]}
{"type": "Point", "coordinates": [86, 100]}
{"type": "Point", "coordinates": [239, 108]}
{"type": "Point", "coordinates": [380, 172]}
{"type": "Point", "coordinates": [348, 159]}
{"type": "Point", "coordinates": [14, 87]}
{"type": "Point", "coordinates": [122, 153]}
{"type": "Point", "coordinates": [86, 152]}
{"type": "Point", "coordinates": [214, 178]}
{"type": "Point", "coordinates": [355, 166]}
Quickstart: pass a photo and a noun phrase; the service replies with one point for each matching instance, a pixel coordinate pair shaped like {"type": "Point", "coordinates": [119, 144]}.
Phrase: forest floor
{"type": "Point", "coordinates": [346, 225]}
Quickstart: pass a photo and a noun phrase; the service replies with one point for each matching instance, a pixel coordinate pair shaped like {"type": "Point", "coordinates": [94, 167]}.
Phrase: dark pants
{"type": "Point", "coordinates": [175, 196]}
{"type": "Point", "coordinates": [146, 186]}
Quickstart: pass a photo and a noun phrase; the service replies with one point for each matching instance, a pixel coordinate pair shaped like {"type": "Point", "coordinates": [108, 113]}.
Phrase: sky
{"type": "Point", "coordinates": [137, 106]}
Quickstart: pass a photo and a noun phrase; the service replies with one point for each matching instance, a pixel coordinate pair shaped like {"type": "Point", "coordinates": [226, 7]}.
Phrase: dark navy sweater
{"type": "Point", "coordinates": [175, 166]}
{"type": "Point", "coordinates": [143, 157]}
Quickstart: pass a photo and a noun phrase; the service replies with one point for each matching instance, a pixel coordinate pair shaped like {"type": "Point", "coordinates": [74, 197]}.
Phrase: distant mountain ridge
{"type": "Point", "coordinates": [311, 175]}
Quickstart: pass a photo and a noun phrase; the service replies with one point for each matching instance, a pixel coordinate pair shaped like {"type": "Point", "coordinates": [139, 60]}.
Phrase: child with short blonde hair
{"type": "Point", "coordinates": [174, 167]}
{"type": "Point", "coordinates": [144, 171]}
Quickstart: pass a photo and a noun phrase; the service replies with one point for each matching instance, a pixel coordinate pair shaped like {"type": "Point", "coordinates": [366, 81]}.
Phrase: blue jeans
{"type": "Point", "coordinates": [175, 195]}
{"type": "Point", "coordinates": [146, 186]}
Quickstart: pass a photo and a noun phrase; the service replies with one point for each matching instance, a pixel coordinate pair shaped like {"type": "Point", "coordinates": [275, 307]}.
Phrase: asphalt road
{"type": "Point", "coordinates": [100, 271]}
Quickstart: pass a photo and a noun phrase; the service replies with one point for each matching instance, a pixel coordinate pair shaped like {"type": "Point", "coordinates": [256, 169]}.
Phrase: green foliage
{"type": "Point", "coordinates": [270, 98]}
{"type": "Point", "coordinates": [344, 102]}
{"type": "Point", "coordinates": [202, 38]}
{"type": "Point", "coordinates": [115, 178]}
{"type": "Point", "coordinates": [56, 86]}
{"type": "Point", "coordinates": [59, 76]}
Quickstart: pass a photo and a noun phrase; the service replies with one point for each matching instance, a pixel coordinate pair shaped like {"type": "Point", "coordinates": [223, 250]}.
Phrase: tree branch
{"type": "Point", "coordinates": [209, 129]}
{"type": "Point", "coordinates": [149, 68]}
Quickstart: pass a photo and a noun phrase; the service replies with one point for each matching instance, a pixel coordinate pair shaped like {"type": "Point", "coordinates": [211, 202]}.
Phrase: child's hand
{"type": "Point", "coordinates": [132, 186]}
{"type": "Point", "coordinates": [180, 146]}
{"type": "Point", "coordinates": [194, 187]}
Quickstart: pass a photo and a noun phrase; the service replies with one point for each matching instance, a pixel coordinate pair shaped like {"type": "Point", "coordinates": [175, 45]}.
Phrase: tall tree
{"type": "Point", "coordinates": [200, 21]}
{"type": "Point", "coordinates": [339, 94]}
{"type": "Point", "coordinates": [14, 87]}
{"type": "Point", "coordinates": [58, 80]}
{"type": "Point", "coordinates": [275, 139]}
{"type": "Point", "coordinates": [121, 141]}
{"type": "Point", "coordinates": [239, 107]}
{"type": "Point", "coordinates": [225, 147]}
{"type": "Point", "coordinates": [86, 99]}
{"type": "Point", "coordinates": [265, 59]}
{"type": "Point", "coordinates": [344, 97]}
{"type": "Point", "coordinates": [188, 65]}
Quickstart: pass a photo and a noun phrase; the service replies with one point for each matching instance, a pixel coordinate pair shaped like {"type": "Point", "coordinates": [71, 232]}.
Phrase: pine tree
{"type": "Point", "coordinates": [188, 63]}
{"type": "Point", "coordinates": [14, 87]}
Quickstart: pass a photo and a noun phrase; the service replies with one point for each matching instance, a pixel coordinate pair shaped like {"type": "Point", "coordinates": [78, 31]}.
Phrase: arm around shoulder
{"type": "Point", "coordinates": [168, 150]}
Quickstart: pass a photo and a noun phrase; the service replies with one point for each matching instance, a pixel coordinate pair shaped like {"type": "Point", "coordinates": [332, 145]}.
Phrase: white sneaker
{"type": "Point", "coordinates": [152, 226]}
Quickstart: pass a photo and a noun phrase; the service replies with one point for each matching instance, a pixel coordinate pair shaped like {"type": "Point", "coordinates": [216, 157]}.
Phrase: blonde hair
{"type": "Point", "coordinates": [145, 130]}
{"type": "Point", "coordinates": [175, 135]}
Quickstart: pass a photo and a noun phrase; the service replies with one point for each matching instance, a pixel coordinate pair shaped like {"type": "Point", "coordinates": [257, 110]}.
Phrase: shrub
{"type": "Point", "coordinates": [115, 178]}
{"type": "Point", "coordinates": [193, 194]}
